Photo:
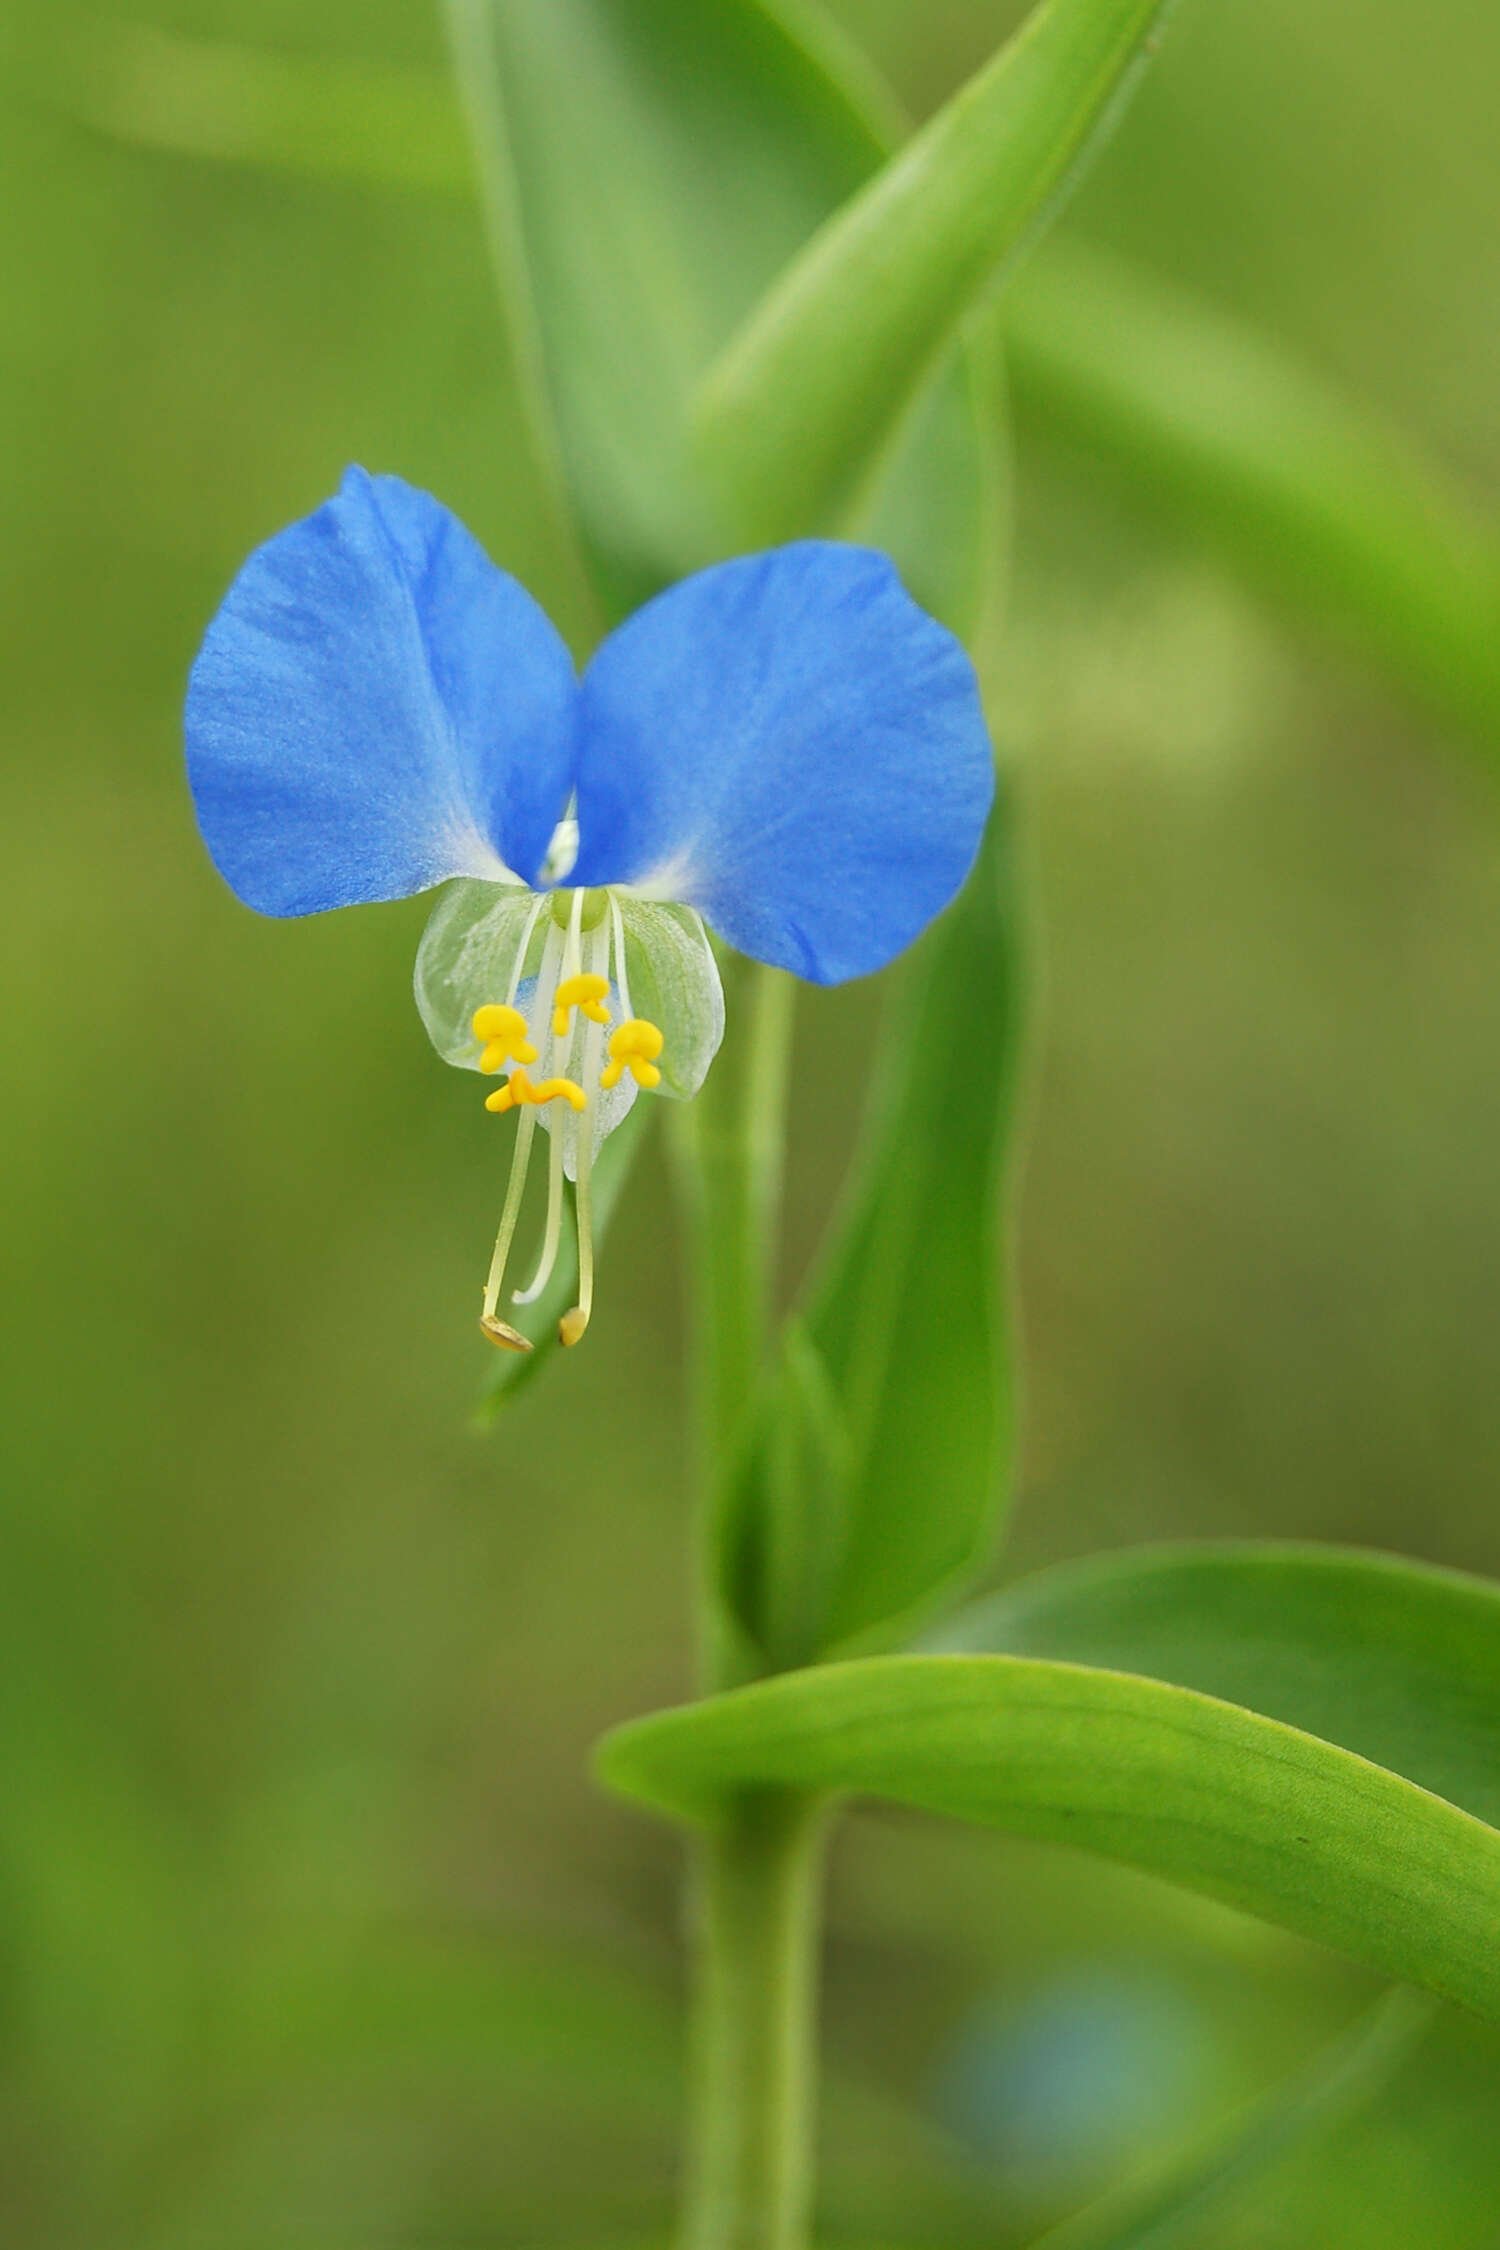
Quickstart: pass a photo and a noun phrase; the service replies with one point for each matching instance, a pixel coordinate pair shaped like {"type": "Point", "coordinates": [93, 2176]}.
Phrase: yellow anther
{"type": "Point", "coordinates": [586, 992]}
{"type": "Point", "coordinates": [561, 1089]}
{"type": "Point", "coordinates": [504, 1032]}
{"type": "Point", "coordinates": [518, 1089]}
{"type": "Point", "coordinates": [635, 1046]}
{"type": "Point", "coordinates": [505, 1097]}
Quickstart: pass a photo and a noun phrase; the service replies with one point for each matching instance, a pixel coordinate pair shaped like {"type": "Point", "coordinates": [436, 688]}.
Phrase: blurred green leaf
{"type": "Point", "coordinates": [798, 412]}
{"type": "Point", "coordinates": [1219, 1799]}
{"type": "Point", "coordinates": [615, 299]}
{"type": "Point", "coordinates": [1169, 2211]}
{"type": "Point", "coordinates": [872, 1477]}
{"type": "Point", "coordinates": [240, 104]}
{"type": "Point", "coordinates": [512, 1372]}
{"type": "Point", "coordinates": [1201, 413]}
{"type": "Point", "coordinates": [1392, 1659]}
{"type": "Point", "coordinates": [1302, 486]}
{"type": "Point", "coordinates": [656, 164]}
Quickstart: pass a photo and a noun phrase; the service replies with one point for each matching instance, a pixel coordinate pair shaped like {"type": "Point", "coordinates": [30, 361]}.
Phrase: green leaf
{"type": "Point", "coordinates": [1205, 417]}
{"type": "Point", "coordinates": [872, 1479]}
{"type": "Point", "coordinates": [653, 164]}
{"type": "Point", "coordinates": [800, 409]}
{"type": "Point", "coordinates": [1395, 1660]}
{"type": "Point", "coordinates": [1303, 487]}
{"type": "Point", "coordinates": [512, 1372]}
{"type": "Point", "coordinates": [1168, 2212]}
{"type": "Point", "coordinates": [238, 104]}
{"type": "Point", "coordinates": [1219, 1799]}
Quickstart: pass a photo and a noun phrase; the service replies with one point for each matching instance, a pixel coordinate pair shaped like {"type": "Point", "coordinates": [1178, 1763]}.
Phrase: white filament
{"type": "Point", "coordinates": [622, 981]}
{"type": "Point", "coordinates": [557, 962]}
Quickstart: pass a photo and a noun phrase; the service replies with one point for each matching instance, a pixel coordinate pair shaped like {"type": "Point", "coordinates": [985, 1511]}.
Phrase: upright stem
{"type": "Point", "coordinates": [730, 1144]}
{"type": "Point", "coordinates": [755, 1883]}
{"type": "Point", "coordinates": [755, 1901]}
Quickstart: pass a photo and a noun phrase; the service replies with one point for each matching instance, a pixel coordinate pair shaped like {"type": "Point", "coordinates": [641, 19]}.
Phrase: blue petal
{"type": "Point", "coordinates": [377, 707]}
{"type": "Point", "coordinates": [789, 744]}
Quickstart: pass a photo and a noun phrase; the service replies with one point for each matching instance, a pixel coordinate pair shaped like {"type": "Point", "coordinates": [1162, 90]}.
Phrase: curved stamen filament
{"type": "Point", "coordinates": [518, 966]}
{"type": "Point", "coordinates": [552, 1234]}
{"type": "Point", "coordinates": [558, 1056]}
{"type": "Point", "coordinates": [622, 981]}
{"type": "Point", "coordinates": [573, 1323]}
{"type": "Point", "coordinates": [573, 956]}
{"type": "Point", "coordinates": [518, 1163]}
{"type": "Point", "coordinates": [499, 1331]}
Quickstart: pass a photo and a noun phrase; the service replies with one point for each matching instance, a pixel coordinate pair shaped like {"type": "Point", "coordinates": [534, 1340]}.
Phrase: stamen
{"type": "Point", "coordinates": [518, 966]}
{"type": "Point", "coordinates": [571, 958]}
{"type": "Point", "coordinates": [587, 992]}
{"type": "Point", "coordinates": [505, 1097]}
{"type": "Point", "coordinates": [558, 1058]}
{"type": "Point", "coordinates": [622, 981]}
{"type": "Point", "coordinates": [562, 1089]}
{"type": "Point", "coordinates": [634, 1047]}
{"type": "Point", "coordinates": [571, 1327]}
{"type": "Point", "coordinates": [520, 1158]}
{"type": "Point", "coordinates": [552, 1234]}
{"type": "Point", "coordinates": [504, 1031]}
{"type": "Point", "coordinates": [518, 1089]}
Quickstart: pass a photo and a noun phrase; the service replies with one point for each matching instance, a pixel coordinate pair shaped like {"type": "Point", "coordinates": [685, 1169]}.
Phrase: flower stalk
{"type": "Point", "coordinates": [755, 1912]}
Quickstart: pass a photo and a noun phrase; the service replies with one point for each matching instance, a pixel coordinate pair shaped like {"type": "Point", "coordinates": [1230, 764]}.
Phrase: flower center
{"type": "Point", "coordinates": [563, 1025]}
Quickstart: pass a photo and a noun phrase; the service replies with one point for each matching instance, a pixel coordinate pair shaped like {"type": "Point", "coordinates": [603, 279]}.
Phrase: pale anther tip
{"type": "Point", "coordinates": [500, 1332]}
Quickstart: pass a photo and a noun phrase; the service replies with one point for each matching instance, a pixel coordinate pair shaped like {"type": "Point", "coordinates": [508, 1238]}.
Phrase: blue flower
{"type": "Point", "coordinates": [784, 746]}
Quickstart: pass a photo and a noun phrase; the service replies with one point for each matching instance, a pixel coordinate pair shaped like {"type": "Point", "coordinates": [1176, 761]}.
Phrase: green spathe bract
{"type": "Point", "coordinates": [835, 1528]}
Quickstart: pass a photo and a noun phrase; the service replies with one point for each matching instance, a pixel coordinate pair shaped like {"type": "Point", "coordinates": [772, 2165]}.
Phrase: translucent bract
{"type": "Point", "coordinates": [488, 942]}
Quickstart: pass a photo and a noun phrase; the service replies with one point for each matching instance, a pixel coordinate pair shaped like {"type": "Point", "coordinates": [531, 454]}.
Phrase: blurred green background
{"type": "Point", "coordinates": [312, 1931]}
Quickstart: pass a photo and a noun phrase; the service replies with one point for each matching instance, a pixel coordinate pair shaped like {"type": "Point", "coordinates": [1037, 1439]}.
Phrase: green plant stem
{"type": "Point", "coordinates": [756, 1888]}
{"type": "Point", "coordinates": [730, 1145]}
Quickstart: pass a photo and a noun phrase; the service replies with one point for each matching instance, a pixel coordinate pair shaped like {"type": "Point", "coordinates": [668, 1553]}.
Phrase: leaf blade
{"type": "Point", "coordinates": [1239, 1807]}
{"type": "Point", "coordinates": [1395, 1660]}
{"type": "Point", "coordinates": [669, 160]}
{"type": "Point", "coordinates": [878, 1348]}
{"type": "Point", "coordinates": [804, 400]}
